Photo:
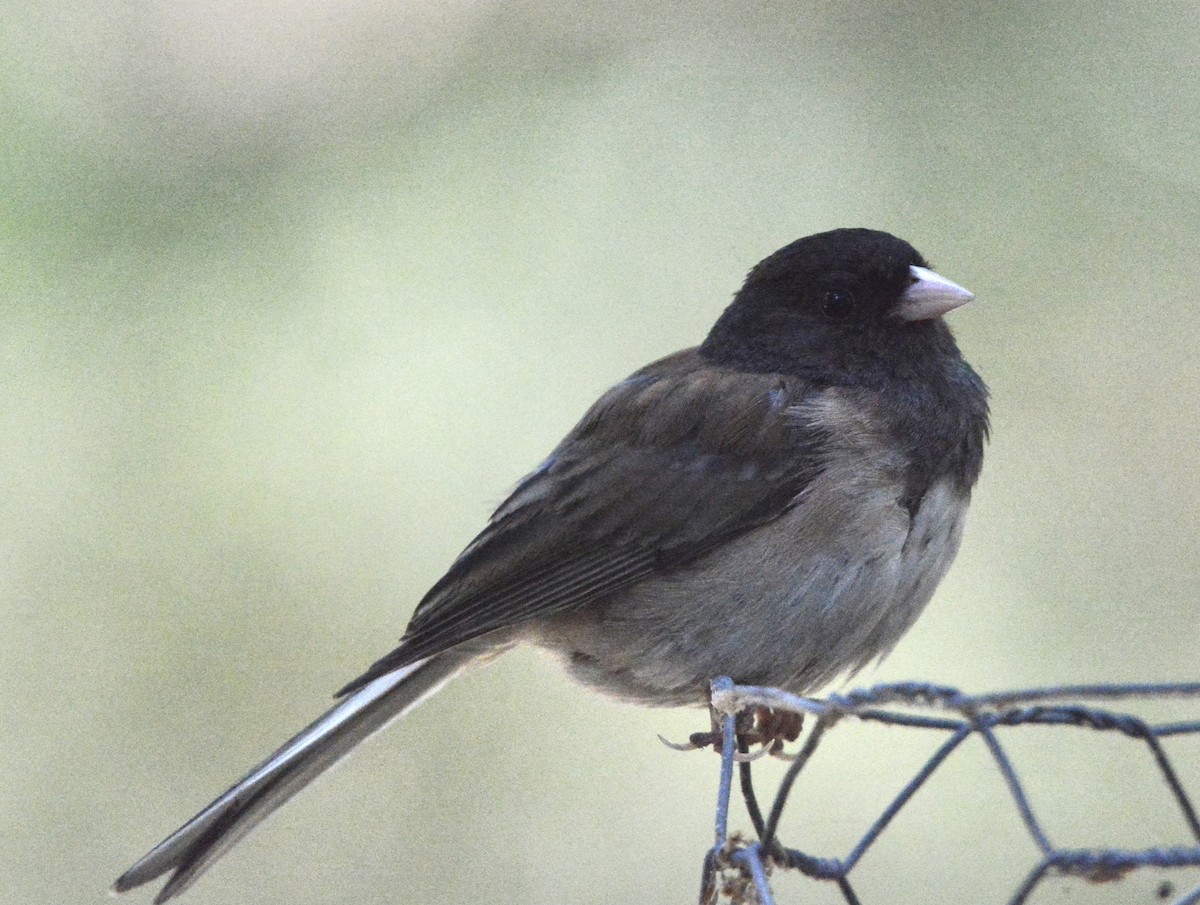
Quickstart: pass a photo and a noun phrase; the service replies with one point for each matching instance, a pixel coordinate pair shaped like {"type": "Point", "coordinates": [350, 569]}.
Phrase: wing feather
{"type": "Point", "coordinates": [667, 465]}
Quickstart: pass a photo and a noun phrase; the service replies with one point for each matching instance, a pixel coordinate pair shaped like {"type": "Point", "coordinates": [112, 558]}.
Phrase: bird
{"type": "Point", "coordinates": [777, 505]}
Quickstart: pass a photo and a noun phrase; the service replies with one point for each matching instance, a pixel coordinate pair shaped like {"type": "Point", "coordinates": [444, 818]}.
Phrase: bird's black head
{"type": "Point", "coordinates": [836, 307]}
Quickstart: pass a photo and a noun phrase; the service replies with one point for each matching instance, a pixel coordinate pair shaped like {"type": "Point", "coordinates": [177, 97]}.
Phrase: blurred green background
{"type": "Point", "coordinates": [293, 293]}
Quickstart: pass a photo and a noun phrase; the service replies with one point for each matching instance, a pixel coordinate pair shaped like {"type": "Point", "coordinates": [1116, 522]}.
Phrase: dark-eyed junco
{"type": "Point", "coordinates": [776, 505]}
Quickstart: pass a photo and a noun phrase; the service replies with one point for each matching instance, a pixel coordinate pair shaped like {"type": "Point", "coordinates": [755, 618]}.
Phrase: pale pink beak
{"type": "Point", "coordinates": [932, 295]}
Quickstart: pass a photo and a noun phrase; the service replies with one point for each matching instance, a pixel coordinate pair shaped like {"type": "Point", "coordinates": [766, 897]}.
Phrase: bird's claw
{"type": "Point", "coordinates": [689, 745]}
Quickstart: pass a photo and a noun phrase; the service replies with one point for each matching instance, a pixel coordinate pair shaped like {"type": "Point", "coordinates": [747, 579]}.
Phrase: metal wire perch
{"type": "Point", "coordinates": [739, 868]}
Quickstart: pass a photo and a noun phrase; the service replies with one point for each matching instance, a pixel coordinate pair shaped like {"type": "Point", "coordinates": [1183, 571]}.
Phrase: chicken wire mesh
{"type": "Point", "coordinates": [737, 868]}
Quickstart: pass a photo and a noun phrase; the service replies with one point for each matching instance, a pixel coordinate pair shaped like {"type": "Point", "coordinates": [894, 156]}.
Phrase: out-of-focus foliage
{"type": "Point", "coordinates": [292, 293]}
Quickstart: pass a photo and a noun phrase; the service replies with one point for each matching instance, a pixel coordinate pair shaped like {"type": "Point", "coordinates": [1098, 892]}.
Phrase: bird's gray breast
{"type": "Point", "coordinates": [820, 592]}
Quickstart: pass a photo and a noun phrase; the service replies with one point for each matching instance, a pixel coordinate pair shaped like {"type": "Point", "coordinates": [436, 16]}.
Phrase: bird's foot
{"type": "Point", "coordinates": [770, 729]}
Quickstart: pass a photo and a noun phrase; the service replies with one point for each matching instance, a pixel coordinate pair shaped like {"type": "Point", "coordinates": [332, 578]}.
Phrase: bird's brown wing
{"type": "Point", "coordinates": [668, 464]}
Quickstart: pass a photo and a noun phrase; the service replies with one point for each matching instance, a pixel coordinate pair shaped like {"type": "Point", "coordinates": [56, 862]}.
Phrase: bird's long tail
{"type": "Point", "coordinates": [196, 845]}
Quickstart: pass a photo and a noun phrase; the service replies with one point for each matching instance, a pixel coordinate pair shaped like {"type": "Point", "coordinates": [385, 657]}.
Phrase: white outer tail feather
{"type": "Point", "coordinates": [191, 849]}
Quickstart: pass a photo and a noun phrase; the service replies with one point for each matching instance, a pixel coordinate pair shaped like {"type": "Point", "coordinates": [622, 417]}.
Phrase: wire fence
{"type": "Point", "coordinates": [736, 869]}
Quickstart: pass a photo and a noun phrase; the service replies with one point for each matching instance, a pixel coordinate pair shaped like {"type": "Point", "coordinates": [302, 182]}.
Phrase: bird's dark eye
{"type": "Point", "coordinates": [836, 302]}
